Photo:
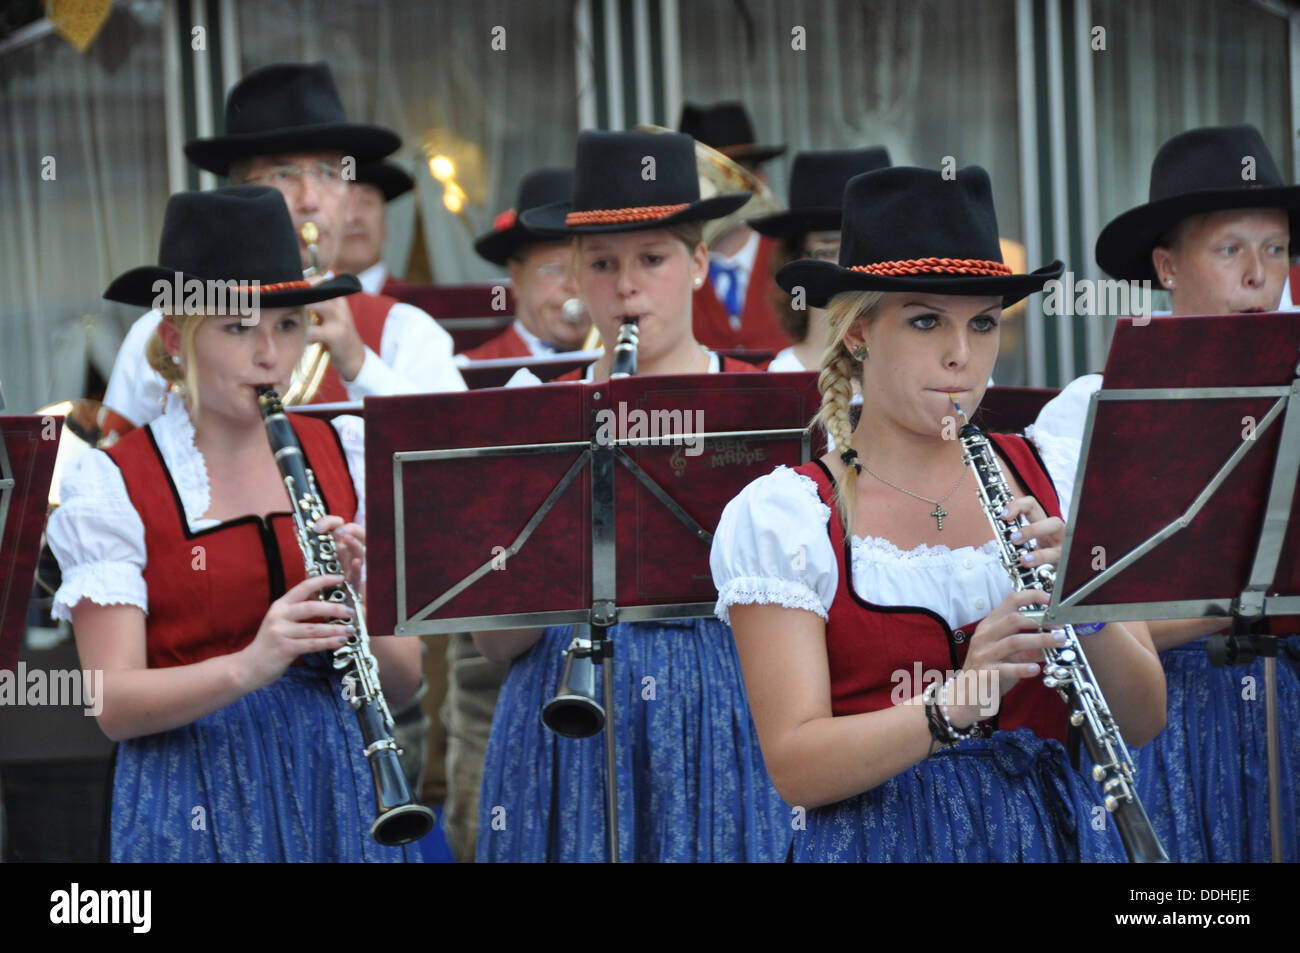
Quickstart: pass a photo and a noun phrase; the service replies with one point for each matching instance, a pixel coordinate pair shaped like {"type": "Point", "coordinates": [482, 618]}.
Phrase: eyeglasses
{"type": "Point", "coordinates": [327, 175]}
{"type": "Point", "coordinates": [823, 253]}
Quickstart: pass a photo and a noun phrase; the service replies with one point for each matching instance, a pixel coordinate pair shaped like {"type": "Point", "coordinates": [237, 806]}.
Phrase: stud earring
{"type": "Point", "coordinates": [699, 282]}
{"type": "Point", "coordinates": [1169, 282]}
{"type": "Point", "coordinates": [861, 353]}
{"type": "Point", "coordinates": [176, 359]}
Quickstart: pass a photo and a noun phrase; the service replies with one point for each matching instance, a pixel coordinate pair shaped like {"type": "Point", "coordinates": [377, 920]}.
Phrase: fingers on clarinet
{"type": "Point", "coordinates": [328, 524]}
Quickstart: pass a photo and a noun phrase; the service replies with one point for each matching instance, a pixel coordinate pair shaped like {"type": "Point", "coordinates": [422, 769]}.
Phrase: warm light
{"type": "Point", "coordinates": [454, 197]}
{"type": "Point", "coordinates": [441, 168]}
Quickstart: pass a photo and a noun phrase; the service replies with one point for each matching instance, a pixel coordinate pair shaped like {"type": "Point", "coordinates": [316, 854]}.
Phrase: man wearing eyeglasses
{"type": "Point", "coordinates": [548, 316]}
{"type": "Point", "coordinates": [286, 128]}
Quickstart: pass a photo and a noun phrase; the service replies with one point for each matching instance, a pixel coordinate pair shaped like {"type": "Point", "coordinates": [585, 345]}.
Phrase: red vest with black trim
{"type": "Point", "coordinates": [506, 344]}
{"type": "Point", "coordinates": [209, 590]}
{"type": "Point", "coordinates": [730, 365]}
{"type": "Point", "coordinates": [759, 328]}
{"type": "Point", "coordinates": [866, 644]}
{"type": "Point", "coordinates": [369, 312]}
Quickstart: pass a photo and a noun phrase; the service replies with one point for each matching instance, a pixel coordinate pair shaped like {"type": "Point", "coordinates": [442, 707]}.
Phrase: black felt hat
{"type": "Point", "coordinates": [508, 234]}
{"type": "Point", "coordinates": [817, 189]}
{"type": "Point", "coordinates": [632, 181]}
{"type": "Point", "coordinates": [907, 229]}
{"type": "Point", "coordinates": [288, 107]}
{"type": "Point", "coordinates": [389, 179]}
{"type": "Point", "coordinates": [242, 233]}
{"type": "Point", "coordinates": [727, 128]}
{"type": "Point", "coordinates": [1202, 170]}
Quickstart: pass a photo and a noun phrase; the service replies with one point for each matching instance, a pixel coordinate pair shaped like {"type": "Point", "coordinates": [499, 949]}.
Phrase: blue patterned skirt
{"type": "Point", "coordinates": [279, 775]}
{"type": "Point", "coordinates": [1009, 798]}
{"type": "Point", "coordinates": [1204, 779]}
{"type": "Point", "coordinates": [691, 781]}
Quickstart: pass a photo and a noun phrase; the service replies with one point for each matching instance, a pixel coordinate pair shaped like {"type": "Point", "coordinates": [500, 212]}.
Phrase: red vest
{"type": "Point", "coordinates": [730, 365]}
{"type": "Point", "coordinates": [867, 644]}
{"type": "Point", "coordinates": [759, 327]}
{"type": "Point", "coordinates": [506, 344]}
{"type": "Point", "coordinates": [369, 312]}
{"type": "Point", "coordinates": [209, 590]}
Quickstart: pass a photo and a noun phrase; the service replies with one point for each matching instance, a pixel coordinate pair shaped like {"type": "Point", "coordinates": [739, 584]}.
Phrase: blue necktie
{"type": "Point", "coordinates": [728, 289]}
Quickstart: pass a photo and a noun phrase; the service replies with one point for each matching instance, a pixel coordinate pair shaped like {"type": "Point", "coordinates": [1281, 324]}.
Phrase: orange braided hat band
{"type": "Point", "coordinates": [947, 266]}
{"type": "Point", "coordinates": [614, 216]}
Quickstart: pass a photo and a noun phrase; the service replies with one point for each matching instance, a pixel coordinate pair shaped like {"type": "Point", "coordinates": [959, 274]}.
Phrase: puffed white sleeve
{"type": "Point", "coordinates": [352, 434]}
{"type": "Point", "coordinates": [415, 358]}
{"type": "Point", "coordinates": [1058, 434]}
{"type": "Point", "coordinates": [771, 547]}
{"type": "Point", "coordinates": [98, 538]}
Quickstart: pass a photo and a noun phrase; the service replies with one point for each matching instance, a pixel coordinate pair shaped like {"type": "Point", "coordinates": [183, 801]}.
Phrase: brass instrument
{"type": "Point", "coordinates": [400, 819]}
{"type": "Point", "coordinates": [309, 373]}
{"type": "Point", "coordinates": [719, 174]}
{"type": "Point", "coordinates": [1066, 668]}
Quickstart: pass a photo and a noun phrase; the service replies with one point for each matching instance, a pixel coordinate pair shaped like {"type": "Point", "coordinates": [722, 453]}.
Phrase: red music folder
{"type": "Point", "coordinates": [1186, 496]}
{"type": "Point", "coordinates": [30, 444]}
{"type": "Point", "coordinates": [480, 506]}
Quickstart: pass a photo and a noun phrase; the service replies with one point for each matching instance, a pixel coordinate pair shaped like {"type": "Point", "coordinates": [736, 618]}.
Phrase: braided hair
{"type": "Point", "coordinates": [838, 371]}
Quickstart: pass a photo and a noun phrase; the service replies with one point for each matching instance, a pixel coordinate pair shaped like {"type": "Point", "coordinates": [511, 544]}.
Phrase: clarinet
{"type": "Point", "coordinates": [629, 336]}
{"type": "Point", "coordinates": [400, 820]}
{"type": "Point", "coordinates": [1067, 669]}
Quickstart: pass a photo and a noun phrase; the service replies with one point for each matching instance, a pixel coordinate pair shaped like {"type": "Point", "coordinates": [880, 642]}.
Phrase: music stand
{"type": "Point", "coordinates": [552, 509]}
{"type": "Point", "coordinates": [28, 446]}
{"type": "Point", "coordinates": [495, 372]}
{"type": "Point", "coordinates": [1185, 498]}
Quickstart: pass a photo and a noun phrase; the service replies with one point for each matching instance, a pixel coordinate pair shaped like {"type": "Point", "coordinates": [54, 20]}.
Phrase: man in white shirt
{"type": "Point", "coordinates": [286, 128]}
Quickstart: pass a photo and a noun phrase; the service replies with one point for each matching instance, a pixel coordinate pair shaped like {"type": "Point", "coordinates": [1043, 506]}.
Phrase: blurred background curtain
{"type": "Point", "coordinates": [1172, 65]}
{"type": "Point", "coordinates": [430, 71]}
{"type": "Point", "coordinates": [928, 80]}
{"type": "Point", "coordinates": [99, 117]}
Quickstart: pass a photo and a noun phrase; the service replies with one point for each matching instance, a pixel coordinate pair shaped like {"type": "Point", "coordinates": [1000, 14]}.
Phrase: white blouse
{"type": "Point", "coordinates": [98, 536]}
{"type": "Point", "coordinates": [772, 548]}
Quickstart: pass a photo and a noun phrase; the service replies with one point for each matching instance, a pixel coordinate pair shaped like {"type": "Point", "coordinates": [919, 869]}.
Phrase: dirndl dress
{"type": "Point", "coordinates": [1204, 779]}
{"type": "Point", "coordinates": [691, 780]}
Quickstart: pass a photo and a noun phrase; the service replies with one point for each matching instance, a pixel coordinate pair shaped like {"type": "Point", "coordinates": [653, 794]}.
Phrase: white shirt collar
{"type": "Point", "coordinates": [373, 278]}
{"type": "Point", "coordinates": [536, 345]}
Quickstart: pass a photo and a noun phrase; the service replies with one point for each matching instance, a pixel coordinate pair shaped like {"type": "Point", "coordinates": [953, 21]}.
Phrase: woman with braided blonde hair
{"type": "Point", "coordinates": [891, 677]}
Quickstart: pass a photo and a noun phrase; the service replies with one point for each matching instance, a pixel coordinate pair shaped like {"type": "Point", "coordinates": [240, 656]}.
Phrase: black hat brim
{"type": "Point", "coordinates": [550, 218]}
{"type": "Point", "coordinates": [500, 247]}
{"type": "Point", "coordinates": [389, 180]}
{"type": "Point", "coordinates": [136, 287]}
{"type": "Point", "coordinates": [797, 221]}
{"type": "Point", "coordinates": [822, 280]}
{"type": "Point", "coordinates": [1124, 246]}
{"type": "Point", "coordinates": [362, 141]}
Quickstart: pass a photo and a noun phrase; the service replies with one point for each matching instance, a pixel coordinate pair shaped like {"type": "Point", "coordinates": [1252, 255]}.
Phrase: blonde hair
{"type": "Point", "coordinates": [839, 369]}
{"type": "Point", "coordinates": [184, 376]}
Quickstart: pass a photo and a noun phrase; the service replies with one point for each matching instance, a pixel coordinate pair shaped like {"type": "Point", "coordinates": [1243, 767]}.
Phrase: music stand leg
{"type": "Point", "coordinates": [1274, 757]}
{"type": "Point", "coordinates": [611, 776]}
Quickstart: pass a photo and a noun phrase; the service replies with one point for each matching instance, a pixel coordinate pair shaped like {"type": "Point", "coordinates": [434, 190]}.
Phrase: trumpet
{"type": "Point", "coordinates": [309, 373]}
{"type": "Point", "coordinates": [400, 819]}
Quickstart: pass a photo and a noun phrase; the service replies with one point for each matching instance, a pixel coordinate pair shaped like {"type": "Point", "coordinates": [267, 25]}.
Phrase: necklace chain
{"type": "Point", "coordinates": [939, 512]}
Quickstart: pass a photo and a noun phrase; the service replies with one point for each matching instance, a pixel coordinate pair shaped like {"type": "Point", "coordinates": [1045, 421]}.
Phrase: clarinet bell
{"type": "Point", "coordinates": [574, 711]}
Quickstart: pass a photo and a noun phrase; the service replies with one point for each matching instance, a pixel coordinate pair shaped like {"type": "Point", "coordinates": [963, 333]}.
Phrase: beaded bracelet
{"type": "Point", "coordinates": [936, 716]}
